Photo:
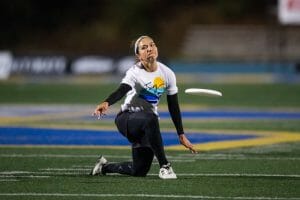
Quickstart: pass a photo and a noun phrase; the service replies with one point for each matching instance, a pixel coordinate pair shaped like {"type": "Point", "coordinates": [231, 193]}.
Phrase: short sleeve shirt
{"type": "Point", "coordinates": [148, 87]}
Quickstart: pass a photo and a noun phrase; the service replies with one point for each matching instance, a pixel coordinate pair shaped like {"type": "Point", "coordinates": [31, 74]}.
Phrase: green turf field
{"type": "Point", "coordinates": [267, 172]}
{"type": "Point", "coordinates": [234, 95]}
{"type": "Point", "coordinates": [270, 172]}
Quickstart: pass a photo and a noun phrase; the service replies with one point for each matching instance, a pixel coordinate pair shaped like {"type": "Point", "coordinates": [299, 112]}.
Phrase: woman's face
{"type": "Point", "coordinates": [147, 50]}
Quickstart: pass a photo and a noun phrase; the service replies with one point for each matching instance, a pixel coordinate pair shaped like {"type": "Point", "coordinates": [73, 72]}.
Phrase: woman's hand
{"type": "Point", "coordinates": [185, 142]}
{"type": "Point", "coordinates": [101, 109]}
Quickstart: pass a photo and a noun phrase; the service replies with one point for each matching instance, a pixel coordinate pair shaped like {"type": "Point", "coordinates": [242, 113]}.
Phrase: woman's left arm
{"type": "Point", "coordinates": [176, 118]}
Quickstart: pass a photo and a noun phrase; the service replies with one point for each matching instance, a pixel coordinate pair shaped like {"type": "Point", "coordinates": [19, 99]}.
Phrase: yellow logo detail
{"type": "Point", "coordinates": [158, 83]}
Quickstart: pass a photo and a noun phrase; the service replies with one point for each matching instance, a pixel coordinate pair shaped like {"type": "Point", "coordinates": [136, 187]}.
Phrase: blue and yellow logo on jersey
{"type": "Point", "coordinates": [153, 91]}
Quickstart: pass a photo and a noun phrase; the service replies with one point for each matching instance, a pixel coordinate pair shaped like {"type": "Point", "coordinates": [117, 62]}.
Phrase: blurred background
{"type": "Point", "coordinates": [60, 58]}
{"type": "Point", "coordinates": [229, 40]}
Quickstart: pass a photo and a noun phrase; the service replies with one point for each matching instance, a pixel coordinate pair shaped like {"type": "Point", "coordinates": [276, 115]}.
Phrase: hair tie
{"type": "Point", "coordinates": [136, 47]}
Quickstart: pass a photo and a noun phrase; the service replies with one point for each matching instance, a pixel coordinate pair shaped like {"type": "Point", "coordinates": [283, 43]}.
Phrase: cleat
{"type": "Point", "coordinates": [97, 170]}
{"type": "Point", "coordinates": [166, 172]}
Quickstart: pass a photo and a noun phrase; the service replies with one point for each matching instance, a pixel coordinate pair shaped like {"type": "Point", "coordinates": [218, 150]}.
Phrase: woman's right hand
{"type": "Point", "coordinates": [101, 109]}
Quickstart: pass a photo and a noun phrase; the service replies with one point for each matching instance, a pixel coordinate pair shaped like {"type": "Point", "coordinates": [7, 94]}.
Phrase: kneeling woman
{"type": "Point", "coordinates": [143, 85]}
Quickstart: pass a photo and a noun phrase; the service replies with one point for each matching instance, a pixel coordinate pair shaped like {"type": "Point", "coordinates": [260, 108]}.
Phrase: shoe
{"type": "Point", "coordinates": [97, 170]}
{"type": "Point", "coordinates": [166, 172]}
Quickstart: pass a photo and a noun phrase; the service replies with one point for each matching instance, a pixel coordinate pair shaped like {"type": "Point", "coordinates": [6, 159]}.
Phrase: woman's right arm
{"type": "Point", "coordinates": [113, 98]}
{"type": "Point", "coordinates": [118, 94]}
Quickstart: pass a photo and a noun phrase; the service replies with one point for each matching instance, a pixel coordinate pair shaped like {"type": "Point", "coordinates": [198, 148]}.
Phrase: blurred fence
{"type": "Point", "coordinates": [242, 43]}
{"type": "Point", "coordinates": [240, 53]}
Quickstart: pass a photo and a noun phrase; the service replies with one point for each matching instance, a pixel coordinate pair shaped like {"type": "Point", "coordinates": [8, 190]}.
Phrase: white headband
{"type": "Point", "coordinates": [136, 44]}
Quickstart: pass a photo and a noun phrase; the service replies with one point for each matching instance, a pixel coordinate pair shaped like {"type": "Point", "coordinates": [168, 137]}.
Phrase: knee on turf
{"type": "Point", "coordinates": [140, 173]}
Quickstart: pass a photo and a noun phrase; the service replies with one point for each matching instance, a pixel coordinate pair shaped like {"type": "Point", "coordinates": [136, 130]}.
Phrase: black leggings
{"type": "Point", "coordinates": [142, 130]}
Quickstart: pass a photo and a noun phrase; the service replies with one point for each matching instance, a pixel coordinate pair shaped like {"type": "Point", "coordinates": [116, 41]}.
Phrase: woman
{"type": "Point", "coordinates": [143, 85]}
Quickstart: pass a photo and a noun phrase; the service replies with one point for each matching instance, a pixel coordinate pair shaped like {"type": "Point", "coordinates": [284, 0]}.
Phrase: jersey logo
{"type": "Point", "coordinates": [152, 92]}
{"type": "Point", "coordinates": [158, 83]}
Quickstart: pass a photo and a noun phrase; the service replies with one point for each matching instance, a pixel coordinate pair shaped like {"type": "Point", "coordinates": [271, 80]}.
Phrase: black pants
{"type": "Point", "coordinates": [142, 130]}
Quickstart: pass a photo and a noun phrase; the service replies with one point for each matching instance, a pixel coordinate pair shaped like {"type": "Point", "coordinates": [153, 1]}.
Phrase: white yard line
{"type": "Point", "coordinates": [44, 173]}
{"type": "Point", "coordinates": [22, 176]}
{"type": "Point", "coordinates": [14, 172]}
{"type": "Point", "coordinates": [8, 180]}
{"type": "Point", "coordinates": [234, 157]}
{"type": "Point", "coordinates": [83, 166]}
{"type": "Point", "coordinates": [66, 171]}
{"type": "Point", "coordinates": [249, 158]}
{"type": "Point", "coordinates": [237, 175]}
{"type": "Point", "coordinates": [179, 158]}
{"type": "Point", "coordinates": [148, 196]}
{"type": "Point", "coordinates": [77, 156]}
{"type": "Point", "coordinates": [47, 156]}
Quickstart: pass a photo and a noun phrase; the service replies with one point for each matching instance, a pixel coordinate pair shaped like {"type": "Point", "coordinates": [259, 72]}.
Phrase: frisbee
{"type": "Point", "coordinates": [203, 92]}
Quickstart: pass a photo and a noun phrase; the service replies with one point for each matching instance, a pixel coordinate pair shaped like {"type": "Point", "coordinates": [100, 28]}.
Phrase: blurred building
{"type": "Point", "coordinates": [209, 36]}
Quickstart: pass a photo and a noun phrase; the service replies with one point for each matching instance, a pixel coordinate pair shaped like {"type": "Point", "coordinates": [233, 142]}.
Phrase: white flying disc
{"type": "Point", "coordinates": [203, 92]}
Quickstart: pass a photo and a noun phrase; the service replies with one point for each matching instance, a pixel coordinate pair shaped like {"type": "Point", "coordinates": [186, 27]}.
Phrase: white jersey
{"type": "Point", "coordinates": [147, 87]}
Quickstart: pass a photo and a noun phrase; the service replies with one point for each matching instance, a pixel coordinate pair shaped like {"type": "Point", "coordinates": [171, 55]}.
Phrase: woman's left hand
{"type": "Point", "coordinates": [185, 142]}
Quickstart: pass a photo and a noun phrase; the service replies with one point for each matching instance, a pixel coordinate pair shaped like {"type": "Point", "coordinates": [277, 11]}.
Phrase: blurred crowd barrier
{"type": "Point", "coordinates": [43, 65]}
{"type": "Point", "coordinates": [187, 70]}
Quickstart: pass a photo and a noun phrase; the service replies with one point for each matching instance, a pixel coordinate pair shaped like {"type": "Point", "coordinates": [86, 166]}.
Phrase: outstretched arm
{"type": "Point", "coordinates": [176, 118]}
{"type": "Point", "coordinates": [113, 98]}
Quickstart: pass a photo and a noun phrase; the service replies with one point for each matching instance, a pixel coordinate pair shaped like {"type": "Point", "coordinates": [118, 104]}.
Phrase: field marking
{"type": "Point", "coordinates": [14, 172]}
{"type": "Point", "coordinates": [66, 171]}
{"type": "Point", "coordinates": [22, 176]}
{"type": "Point", "coordinates": [48, 156]}
{"type": "Point", "coordinates": [179, 158]}
{"type": "Point", "coordinates": [261, 138]}
{"type": "Point", "coordinates": [52, 137]}
{"type": "Point", "coordinates": [149, 196]}
{"type": "Point", "coordinates": [238, 175]}
{"type": "Point", "coordinates": [252, 158]}
{"type": "Point", "coordinates": [266, 138]}
{"type": "Point", "coordinates": [40, 117]}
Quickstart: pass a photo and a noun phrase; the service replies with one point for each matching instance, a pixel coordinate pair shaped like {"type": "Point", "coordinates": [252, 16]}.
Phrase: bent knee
{"type": "Point", "coordinates": [139, 175]}
{"type": "Point", "coordinates": [140, 172]}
